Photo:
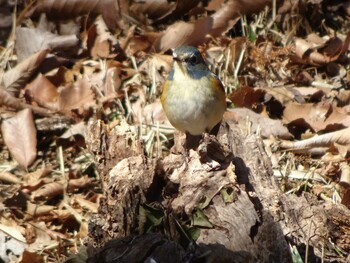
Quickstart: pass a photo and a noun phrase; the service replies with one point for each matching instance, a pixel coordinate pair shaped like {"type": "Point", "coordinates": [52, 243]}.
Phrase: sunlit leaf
{"type": "Point", "coordinates": [19, 134]}
{"type": "Point", "coordinates": [17, 77]}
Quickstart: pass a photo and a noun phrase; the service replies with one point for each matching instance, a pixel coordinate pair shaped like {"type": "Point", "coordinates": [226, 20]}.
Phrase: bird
{"type": "Point", "coordinates": [193, 97]}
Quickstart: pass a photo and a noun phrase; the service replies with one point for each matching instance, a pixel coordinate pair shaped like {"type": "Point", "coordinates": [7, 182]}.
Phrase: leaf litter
{"type": "Point", "coordinates": [286, 76]}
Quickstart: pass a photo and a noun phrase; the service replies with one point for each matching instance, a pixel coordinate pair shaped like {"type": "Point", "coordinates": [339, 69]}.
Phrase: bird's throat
{"type": "Point", "coordinates": [181, 67]}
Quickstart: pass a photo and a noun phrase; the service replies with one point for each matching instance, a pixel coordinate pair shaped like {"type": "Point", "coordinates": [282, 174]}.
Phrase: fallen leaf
{"type": "Point", "coordinates": [44, 237]}
{"type": "Point", "coordinates": [31, 257]}
{"type": "Point", "coordinates": [86, 204]}
{"type": "Point", "coordinates": [247, 97]}
{"type": "Point", "coordinates": [153, 114]}
{"type": "Point", "coordinates": [38, 210]}
{"type": "Point", "coordinates": [267, 127]}
{"type": "Point", "coordinates": [33, 40]}
{"type": "Point", "coordinates": [313, 54]}
{"type": "Point", "coordinates": [75, 96]}
{"type": "Point", "coordinates": [48, 191]}
{"type": "Point", "coordinates": [80, 183]}
{"type": "Point", "coordinates": [101, 43]}
{"type": "Point", "coordinates": [42, 91]}
{"type": "Point", "coordinates": [19, 134]}
{"type": "Point", "coordinates": [325, 140]}
{"type": "Point", "coordinates": [12, 232]}
{"type": "Point", "coordinates": [319, 116]}
{"type": "Point", "coordinates": [152, 9]}
{"type": "Point", "coordinates": [8, 177]}
{"type": "Point", "coordinates": [16, 78]}
{"type": "Point", "coordinates": [74, 8]}
{"type": "Point", "coordinates": [195, 33]}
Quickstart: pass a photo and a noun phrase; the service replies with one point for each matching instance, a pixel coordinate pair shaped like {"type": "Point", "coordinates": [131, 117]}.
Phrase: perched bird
{"type": "Point", "coordinates": [193, 97]}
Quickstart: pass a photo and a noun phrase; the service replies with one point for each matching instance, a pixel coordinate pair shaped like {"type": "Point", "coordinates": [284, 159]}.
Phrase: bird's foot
{"type": "Point", "coordinates": [210, 150]}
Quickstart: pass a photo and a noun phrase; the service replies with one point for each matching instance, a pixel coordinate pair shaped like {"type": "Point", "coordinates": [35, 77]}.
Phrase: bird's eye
{"type": "Point", "coordinates": [192, 60]}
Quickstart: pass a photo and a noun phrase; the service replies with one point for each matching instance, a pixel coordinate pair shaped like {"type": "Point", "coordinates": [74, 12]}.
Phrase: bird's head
{"type": "Point", "coordinates": [190, 61]}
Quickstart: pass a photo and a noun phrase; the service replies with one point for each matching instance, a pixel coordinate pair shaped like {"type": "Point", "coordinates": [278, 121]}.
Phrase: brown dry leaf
{"type": "Point", "coordinates": [38, 210]}
{"type": "Point", "coordinates": [318, 116]}
{"type": "Point", "coordinates": [158, 62]}
{"type": "Point", "coordinates": [152, 9]}
{"type": "Point", "coordinates": [76, 129]}
{"type": "Point", "coordinates": [195, 33]}
{"type": "Point", "coordinates": [75, 96]}
{"type": "Point", "coordinates": [100, 42]}
{"type": "Point", "coordinates": [80, 183]}
{"type": "Point", "coordinates": [19, 134]}
{"type": "Point", "coordinates": [161, 11]}
{"type": "Point", "coordinates": [35, 179]}
{"type": "Point", "coordinates": [42, 91]}
{"type": "Point", "coordinates": [83, 229]}
{"type": "Point", "coordinates": [107, 81]}
{"type": "Point", "coordinates": [155, 64]}
{"type": "Point", "coordinates": [229, 54]}
{"type": "Point", "coordinates": [13, 231]}
{"type": "Point", "coordinates": [135, 42]}
{"type": "Point", "coordinates": [246, 96]}
{"type": "Point", "coordinates": [182, 33]}
{"type": "Point", "coordinates": [48, 191]}
{"type": "Point", "coordinates": [303, 78]}
{"type": "Point", "coordinates": [330, 51]}
{"type": "Point", "coordinates": [73, 8]}
{"type": "Point", "coordinates": [153, 114]}
{"type": "Point", "coordinates": [307, 92]}
{"type": "Point", "coordinates": [342, 97]}
{"type": "Point", "coordinates": [9, 178]}
{"type": "Point", "coordinates": [33, 40]}
{"type": "Point", "coordinates": [17, 77]}
{"type": "Point", "coordinates": [81, 200]}
{"type": "Point", "coordinates": [315, 39]}
{"type": "Point", "coordinates": [342, 150]}
{"type": "Point", "coordinates": [214, 5]}
{"type": "Point", "coordinates": [43, 238]}
{"type": "Point", "coordinates": [266, 126]}
{"type": "Point", "coordinates": [182, 7]}
{"type": "Point", "coordinates": [113, 81]}
{"type": "Point", "coordinates": [281, 94]}
{"type": "Point", "coordinates": [215, 54]}
{"type": "Point", "coordinates": [7, 99]}
{"type": "Point", "coordinates": [302, 47]}
{"type": "Point", "coordinates": [61, 76]}
{"type": "Point", "coordinates": [31, 257]}
{"type": "Point", "coordinates": [33, 185]}
{"type": "Point", "coordinates": [346, 198]}
{"type": "Point", "coordinates": [325, 140]}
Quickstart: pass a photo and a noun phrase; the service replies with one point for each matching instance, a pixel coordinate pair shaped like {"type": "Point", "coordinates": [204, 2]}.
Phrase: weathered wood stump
{"type": "Point", "coordinates": [223, 195]}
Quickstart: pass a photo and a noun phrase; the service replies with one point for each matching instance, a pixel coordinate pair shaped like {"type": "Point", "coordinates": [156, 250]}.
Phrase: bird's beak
{"type": "Point", "coordinates": [178, 61]}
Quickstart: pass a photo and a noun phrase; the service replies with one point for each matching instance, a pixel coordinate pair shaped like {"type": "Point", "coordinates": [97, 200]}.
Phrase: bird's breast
{"type": "Point", "coordinates": [193, 105]}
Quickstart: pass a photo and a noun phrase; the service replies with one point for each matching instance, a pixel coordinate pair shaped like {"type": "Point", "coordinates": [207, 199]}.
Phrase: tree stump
{"type": "Point", "coordinates": [219, 204]}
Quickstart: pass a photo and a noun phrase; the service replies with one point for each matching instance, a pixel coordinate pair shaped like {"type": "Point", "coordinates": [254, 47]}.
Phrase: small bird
{"type": "Point", "coordinates": [193, 97]}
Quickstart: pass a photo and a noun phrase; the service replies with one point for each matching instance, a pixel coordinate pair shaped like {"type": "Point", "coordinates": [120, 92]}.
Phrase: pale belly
{"type": "Point", "coordinates": [193, 109]}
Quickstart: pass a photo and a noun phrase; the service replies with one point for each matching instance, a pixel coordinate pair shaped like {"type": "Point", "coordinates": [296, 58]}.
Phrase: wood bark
{"type": "Point", "coordinates": [229, 180]}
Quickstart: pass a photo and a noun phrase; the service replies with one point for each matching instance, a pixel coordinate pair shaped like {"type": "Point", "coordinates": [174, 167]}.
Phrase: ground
{"type": "Point", "coordinates": [80, 86]}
